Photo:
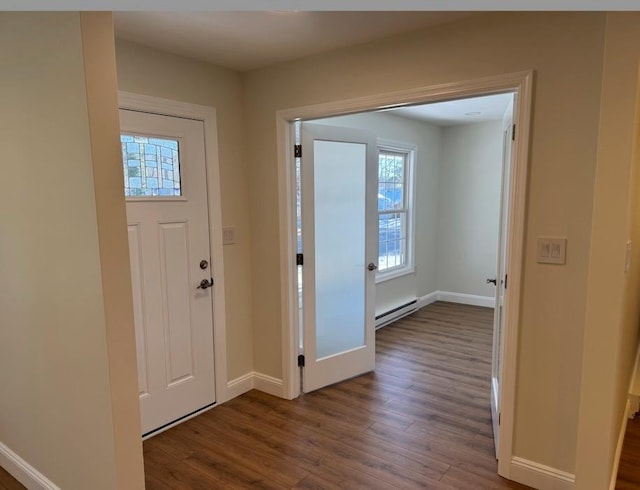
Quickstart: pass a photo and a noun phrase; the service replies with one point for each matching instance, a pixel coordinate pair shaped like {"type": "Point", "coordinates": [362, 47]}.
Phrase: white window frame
{"type": "Point", "coordinates": [411, 151]}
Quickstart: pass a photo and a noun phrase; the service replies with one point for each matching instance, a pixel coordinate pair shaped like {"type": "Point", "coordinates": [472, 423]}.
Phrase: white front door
{"type": "Point", "coordinates": [339, 244]}
{"type": "Point", "coordinates": [501, 273]}
{"type": "Point", "coordinates": [166, 194]}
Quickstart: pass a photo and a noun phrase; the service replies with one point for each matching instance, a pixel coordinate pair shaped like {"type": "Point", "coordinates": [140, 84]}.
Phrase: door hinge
{"type": "Point", "coordinates": [513, 133]}
{"type": "Point", "coordinates": [301, 360]}
{"type": "Point", "coordinates": [506, 276]}
{"type": "Point", "coordinates": [499, 417]}
{"type": "Point", "coordinates": [299, 259]}
{"type": "Point", "coordinates": [297, 151]}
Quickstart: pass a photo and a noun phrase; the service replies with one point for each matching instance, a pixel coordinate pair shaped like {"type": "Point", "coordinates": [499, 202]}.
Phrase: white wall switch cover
{"type": "Point", "coordinates": [228, 235]}
{"type": "Point", "coordinates": [551, 250]}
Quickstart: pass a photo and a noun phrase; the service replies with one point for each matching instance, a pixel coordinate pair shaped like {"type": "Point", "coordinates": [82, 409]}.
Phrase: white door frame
{"type": "Point", "coordinates": [207, 115]}
{"type": "Point", "coordinates": [522, 84]}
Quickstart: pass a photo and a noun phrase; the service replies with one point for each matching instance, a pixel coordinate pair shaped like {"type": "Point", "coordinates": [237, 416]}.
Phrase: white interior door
{"type": "Point", "coordinates": [501, 273]}
{"type": "Point", "coordinates": [166, 194]}
{"type": "Point", "coordinates": [339, 243]}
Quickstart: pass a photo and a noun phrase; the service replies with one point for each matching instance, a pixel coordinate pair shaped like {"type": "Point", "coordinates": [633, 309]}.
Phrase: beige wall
{"type": "Point", "coordinates": [469, 207]}
{"type": "Point", "coordinates": [61, 409]}
{"type": "Point", "coordinates": [147, 71]}
{"type": "Point", "coordinates": [613, 305]}
{"type": "Point", "coordinates": [565, 50]}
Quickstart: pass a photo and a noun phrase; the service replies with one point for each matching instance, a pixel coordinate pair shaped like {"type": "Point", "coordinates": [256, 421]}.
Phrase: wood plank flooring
{"type": "Point", "coordinates": [629, 469]}
{"type": "Point", "coordinates": [422, 420]}
{"type": "Point", "coordinates": [7, 482]}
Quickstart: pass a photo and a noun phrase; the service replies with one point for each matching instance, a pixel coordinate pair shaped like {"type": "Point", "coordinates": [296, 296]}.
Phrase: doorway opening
{"type": "Point", "coordinates": [392, 209]}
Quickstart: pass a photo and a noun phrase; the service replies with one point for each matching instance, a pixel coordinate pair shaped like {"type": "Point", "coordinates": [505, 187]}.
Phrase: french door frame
{"type": "Point", "coordinates": [206, 114]}
{"type": "Point", "coordinates": [521, 83]}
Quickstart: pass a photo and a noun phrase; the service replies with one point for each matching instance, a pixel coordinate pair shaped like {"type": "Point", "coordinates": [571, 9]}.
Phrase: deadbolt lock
{"type": "Point", "coordinates": [204, 264]}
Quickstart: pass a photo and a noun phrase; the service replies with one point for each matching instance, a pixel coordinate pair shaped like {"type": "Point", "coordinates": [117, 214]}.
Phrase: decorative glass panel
{"type": "Point", "coordinates": [151, 166]}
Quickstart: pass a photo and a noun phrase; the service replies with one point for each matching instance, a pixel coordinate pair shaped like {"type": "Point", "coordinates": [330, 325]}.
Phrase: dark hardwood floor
{"type": "Point", "coordinates": [7, 482]}
{"type": "Point", "coordinates": [629, 469]}
{"type": "Point", "coordinates": [422, 420]}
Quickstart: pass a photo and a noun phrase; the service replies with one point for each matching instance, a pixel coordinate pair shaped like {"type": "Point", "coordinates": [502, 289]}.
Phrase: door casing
{"type": "Point", "coordinates": [521, 83]}
{"type": "Point", "coordinates": [156, 105]}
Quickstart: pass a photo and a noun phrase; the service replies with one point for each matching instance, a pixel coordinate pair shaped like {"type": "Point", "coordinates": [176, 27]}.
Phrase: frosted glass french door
{"type": "Point", "coordinates": [339, 242]}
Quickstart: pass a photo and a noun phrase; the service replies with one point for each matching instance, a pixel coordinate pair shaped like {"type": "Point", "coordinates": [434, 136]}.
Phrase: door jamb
{"type": "Point", "coordinates": [522, 84]}
{"type": "Point", "coordinates": [206, 114]}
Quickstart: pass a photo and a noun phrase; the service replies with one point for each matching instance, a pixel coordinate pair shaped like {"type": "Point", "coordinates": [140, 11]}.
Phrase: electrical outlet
{"type": "Point", "coordinates": [551, 250]}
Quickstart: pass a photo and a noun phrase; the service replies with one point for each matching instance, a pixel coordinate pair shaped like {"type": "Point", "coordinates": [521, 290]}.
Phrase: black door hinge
{"type": "Point", "coordinates": [499, 417]}
{"type": "Point", "coordinates": [513, 133]}
{"type": "Point", "coordinates": [301, 360]}
{"type": "Point", "coordinates": [299, 259]}
{"type": "Point", "coordinates": [297, 151]}
{"type": "Point", "coordinates": [506, 276]}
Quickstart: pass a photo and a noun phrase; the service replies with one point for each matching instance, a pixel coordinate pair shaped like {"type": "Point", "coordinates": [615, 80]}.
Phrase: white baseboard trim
{"type": "Point", "coordinates": [467, 299]}
{"type": "Point", "coordinates": [238, 386]}
{"type": "Point", "coordinates": [268, 384]}
{"type": "Point", "coordinates": [623, 429]}
{"type": "Point", "coordinates": [428, 299]}
{"type": "Point", "coordinates": [539, 476]}
{"type": "Point", "coordinates": [23, 471]}
{"type": "Point", "coordinates": [254, 380]}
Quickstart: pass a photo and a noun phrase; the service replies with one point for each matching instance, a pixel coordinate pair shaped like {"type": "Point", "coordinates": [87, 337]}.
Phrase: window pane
{"type": "Point", "coordinates": [382, 259]}
{"type": "Point", "coordinates": [392, 235]}
{"type": "Point", "coordinates": [392, 227]}
{"type": "Point", "coordinates": [391, 168]}
{"type": "Point", "coordinates": [151, 166]}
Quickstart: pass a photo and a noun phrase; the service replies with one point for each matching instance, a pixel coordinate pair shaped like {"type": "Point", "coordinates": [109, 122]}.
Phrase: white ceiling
{"type": "Point", "coordinates": [463, 111]}
{"type": "Point", "coordinates": [248, 40]}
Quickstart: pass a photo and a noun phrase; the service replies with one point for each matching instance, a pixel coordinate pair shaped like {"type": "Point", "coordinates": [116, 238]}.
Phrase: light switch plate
{"type": "Point", "coordinates": [552, 250]}
{"type": "Point", "coordinates": [228, 235]}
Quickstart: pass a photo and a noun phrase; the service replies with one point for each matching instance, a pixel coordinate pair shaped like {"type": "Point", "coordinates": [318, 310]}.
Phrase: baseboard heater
{"type": "Point", "coordinates": [396, 313]}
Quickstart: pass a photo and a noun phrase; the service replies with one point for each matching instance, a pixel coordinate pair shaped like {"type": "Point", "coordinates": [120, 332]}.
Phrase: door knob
{"type": "Point", "coordinates": [372, 266]}
{"type": "Point", "coordinates": [494, 281]}
{"type": "Point", "coordinates": [205, 284]}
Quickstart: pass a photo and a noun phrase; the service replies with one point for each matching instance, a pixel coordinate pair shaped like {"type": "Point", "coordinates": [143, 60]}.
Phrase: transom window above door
{"type": "Point", "coordinates": [151, 166]}
{"type": "Point", "coordinates": [395, 213]}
